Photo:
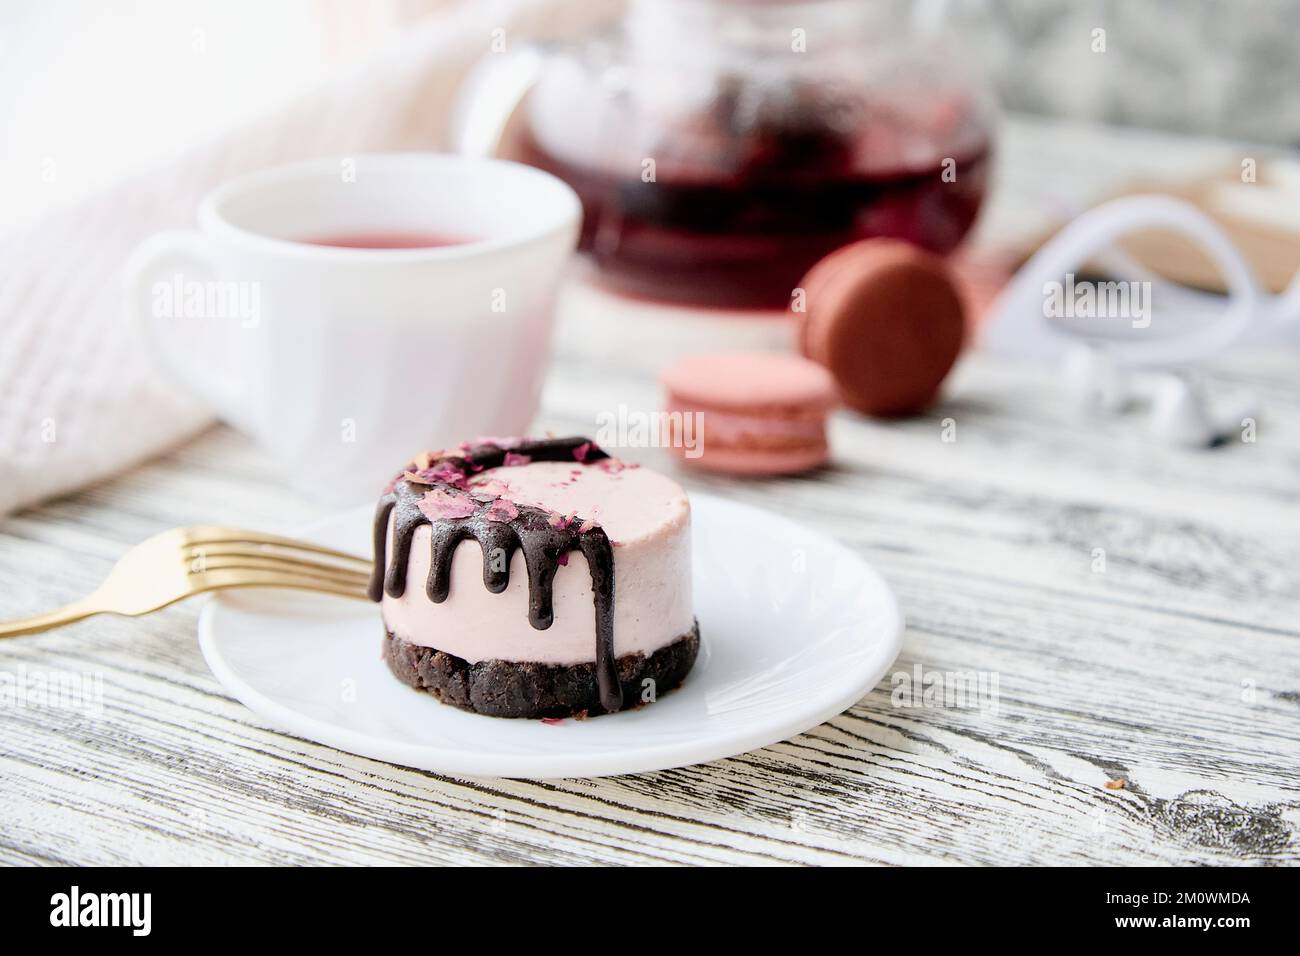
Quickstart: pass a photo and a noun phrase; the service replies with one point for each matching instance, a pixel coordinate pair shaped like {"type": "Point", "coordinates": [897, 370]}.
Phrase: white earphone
{"type": "Point", "coordinates": [1180, 412]}
{"type": "Point", "coordinates": [1113, 362]}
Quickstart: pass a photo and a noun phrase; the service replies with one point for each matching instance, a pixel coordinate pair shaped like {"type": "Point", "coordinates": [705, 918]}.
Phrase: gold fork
{"type": "Point", "coordinates": [185, 561]}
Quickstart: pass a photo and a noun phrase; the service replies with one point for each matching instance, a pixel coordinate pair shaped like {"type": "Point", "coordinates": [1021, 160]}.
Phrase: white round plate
{"type": "Point", "coordinates": [794, 628]}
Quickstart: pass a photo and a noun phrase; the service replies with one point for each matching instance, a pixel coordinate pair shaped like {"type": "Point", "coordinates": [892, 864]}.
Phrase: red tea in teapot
{"type": "Point", "coordinates": [731, 210]}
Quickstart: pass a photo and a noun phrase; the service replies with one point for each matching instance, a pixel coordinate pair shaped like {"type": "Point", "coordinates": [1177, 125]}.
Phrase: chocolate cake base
{"type": "Point", "coordinates": [513, 689]}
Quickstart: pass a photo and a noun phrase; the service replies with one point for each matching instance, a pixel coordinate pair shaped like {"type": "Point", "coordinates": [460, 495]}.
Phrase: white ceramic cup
{"type": "Point", "coordinates": [344, 362]}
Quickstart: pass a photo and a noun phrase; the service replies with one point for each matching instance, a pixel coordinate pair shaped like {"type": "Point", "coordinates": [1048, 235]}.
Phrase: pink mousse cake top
{"type": "Point", "coordinates": [631, 503]}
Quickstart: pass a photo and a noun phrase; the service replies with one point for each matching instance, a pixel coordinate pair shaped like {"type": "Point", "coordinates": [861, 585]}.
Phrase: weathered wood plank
{"type": "Point", "coordinates": [1175, 670]}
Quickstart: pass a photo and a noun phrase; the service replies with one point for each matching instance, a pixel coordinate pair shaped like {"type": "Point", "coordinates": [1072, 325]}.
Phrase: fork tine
{"type": "Point", "coordinates": [264, 553]}
{"type": "Point", "coordinates": [222, 578]}
{"type": "Point", "coordinates": [211, 561]}
{"type": "Point", "coordinates": [205, 536]}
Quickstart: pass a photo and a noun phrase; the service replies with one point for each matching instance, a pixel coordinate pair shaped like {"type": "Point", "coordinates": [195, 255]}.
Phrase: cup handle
{"type": "Point", "coordinates": [171, 340]}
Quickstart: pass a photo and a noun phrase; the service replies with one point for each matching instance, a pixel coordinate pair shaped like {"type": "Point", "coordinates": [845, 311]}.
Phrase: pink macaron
{"type": "Point", "coordinates": [750, 413]}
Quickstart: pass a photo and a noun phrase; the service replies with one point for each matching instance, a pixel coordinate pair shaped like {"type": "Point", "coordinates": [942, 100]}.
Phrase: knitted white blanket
{"type": "Point", "coordinates": [79, 398]}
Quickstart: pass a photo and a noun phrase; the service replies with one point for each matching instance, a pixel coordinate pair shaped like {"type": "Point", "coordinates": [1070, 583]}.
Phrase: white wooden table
{"type": "Point", "coordinates": [1171, 674]}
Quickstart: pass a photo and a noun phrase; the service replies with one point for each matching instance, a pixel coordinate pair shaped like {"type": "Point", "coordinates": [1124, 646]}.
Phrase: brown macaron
{"type": "Point", "coordinates": [886, 319]}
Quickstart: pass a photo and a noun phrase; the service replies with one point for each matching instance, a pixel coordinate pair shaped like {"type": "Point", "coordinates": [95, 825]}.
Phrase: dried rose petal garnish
{"type": "Point", "coordinates": [559, 522]}
{"type": "Point", "coordinates": [438, 503]}
{"type": "Point", "coordinates": [502, 510]}
{"type": "Point", "coordinates": [489, 489]}
{"type": "Point", "coordinates": [613, 465]}
{"type": "Point", "coordinates": [512, 460]}
{"type": "Point", "coordinates": [426, 459]}
{"type": "Point", "coordinates": [444, 471]}
{"type": "Point", "coordinates": [582, 451]}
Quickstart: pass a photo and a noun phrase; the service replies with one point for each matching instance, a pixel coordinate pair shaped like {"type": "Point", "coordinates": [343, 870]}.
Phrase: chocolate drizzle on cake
{"type": "Point", "coordinates": [544, 538]}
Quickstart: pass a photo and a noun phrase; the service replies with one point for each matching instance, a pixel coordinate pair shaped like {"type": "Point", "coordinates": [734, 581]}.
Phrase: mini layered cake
{"type": "Point", "coordinates": [544, 578]}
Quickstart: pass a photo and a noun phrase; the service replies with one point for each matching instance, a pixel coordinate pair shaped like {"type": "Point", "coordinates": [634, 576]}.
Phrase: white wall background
{"type": "Point", "coordinates": [89, 90]}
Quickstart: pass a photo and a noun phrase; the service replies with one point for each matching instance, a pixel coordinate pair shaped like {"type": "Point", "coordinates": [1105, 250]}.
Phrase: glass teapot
{"type": "Point", "coordinates": [721, 147]}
